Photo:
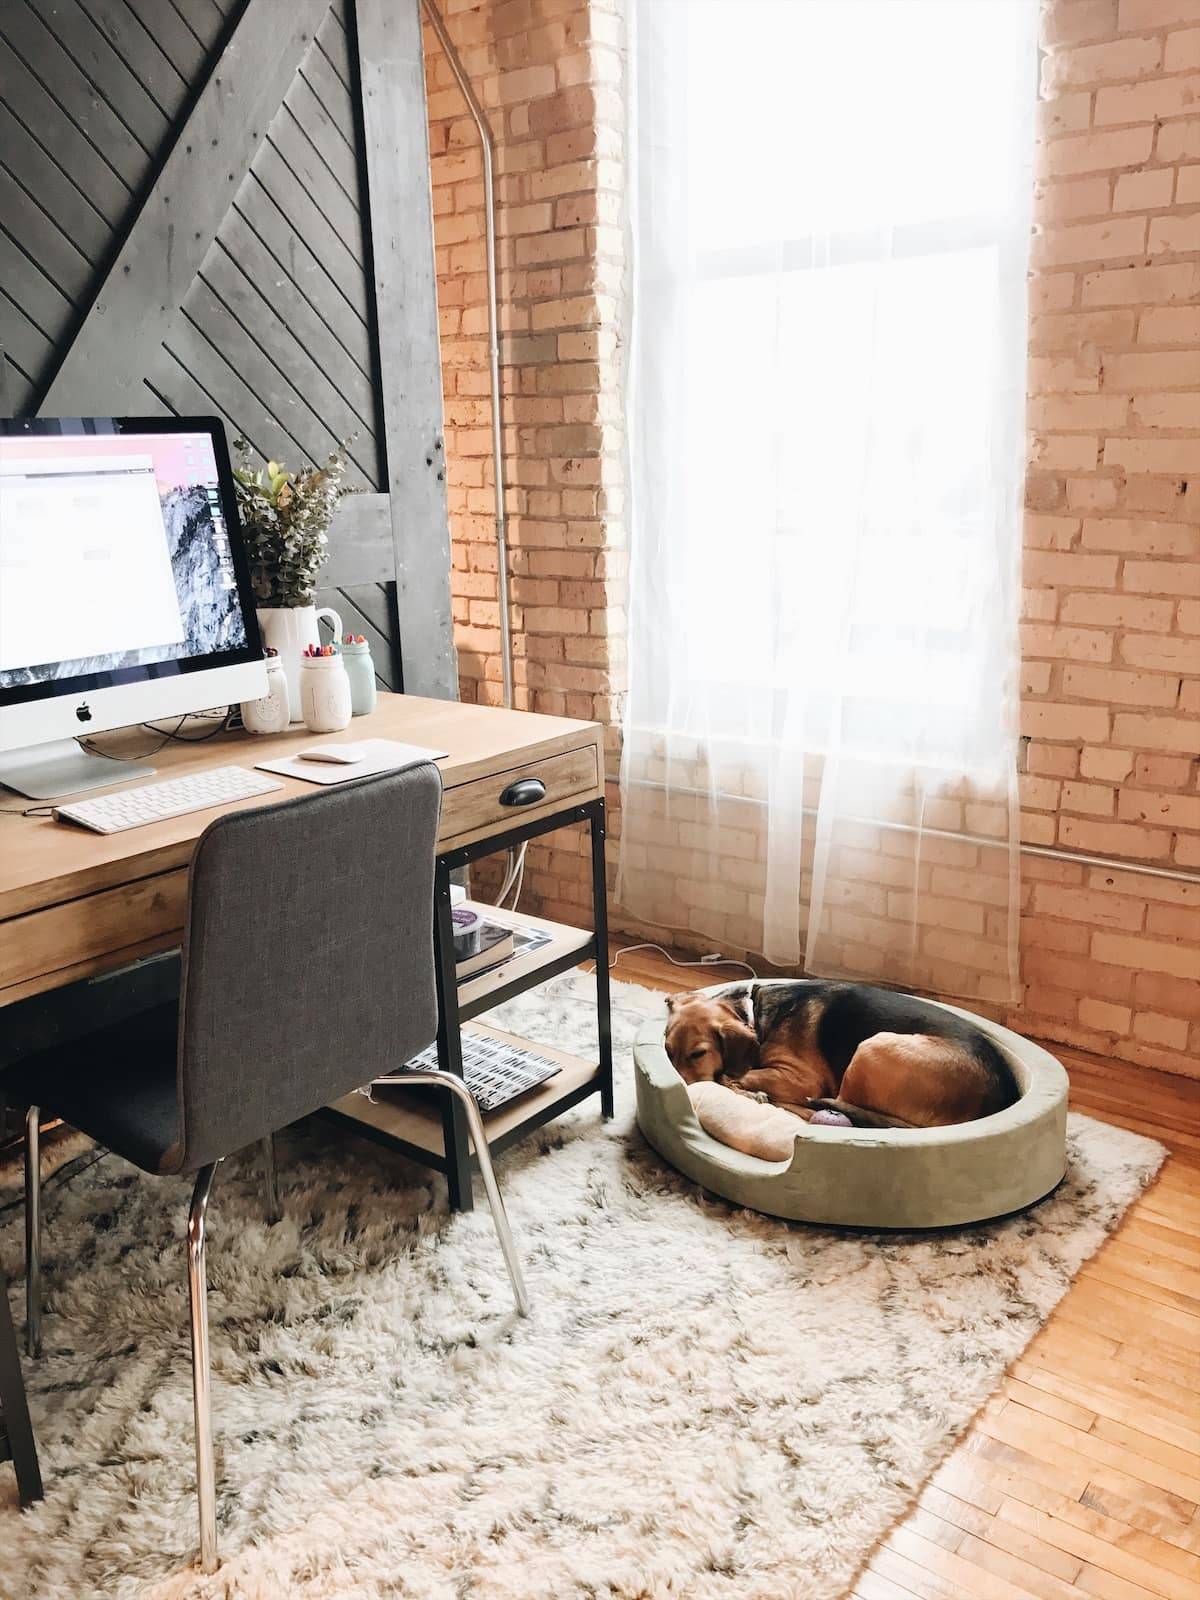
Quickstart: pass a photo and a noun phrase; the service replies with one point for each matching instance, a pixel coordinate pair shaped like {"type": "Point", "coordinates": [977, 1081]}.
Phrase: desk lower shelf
{"type": "Point", "coordinates": [411, 1119]}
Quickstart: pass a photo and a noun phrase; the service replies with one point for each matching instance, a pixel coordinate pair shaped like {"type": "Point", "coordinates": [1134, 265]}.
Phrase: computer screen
{"type": "Point", "coordinates": [116, 561]}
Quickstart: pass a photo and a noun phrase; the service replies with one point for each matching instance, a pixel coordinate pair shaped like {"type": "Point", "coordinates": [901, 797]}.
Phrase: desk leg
{"type": "Point", "coordinates": [600, 924]}
{"type": "Point", "coordinates": [449, 1044]}
{"type": "Point", "coordinates": [15, 1429]}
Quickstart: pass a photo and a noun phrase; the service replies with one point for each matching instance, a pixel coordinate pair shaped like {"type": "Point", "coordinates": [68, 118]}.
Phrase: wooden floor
{"type": "Point", "coordinates": [1082, 1476]}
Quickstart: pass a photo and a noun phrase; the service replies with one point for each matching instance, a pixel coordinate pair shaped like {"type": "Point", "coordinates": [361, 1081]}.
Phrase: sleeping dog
{"type": "Point", "coordinates": [884, 1060]}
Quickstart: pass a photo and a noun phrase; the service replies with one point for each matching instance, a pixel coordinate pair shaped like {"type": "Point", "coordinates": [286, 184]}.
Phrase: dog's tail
{"type": "Point", "coordinates": [859, 1117]}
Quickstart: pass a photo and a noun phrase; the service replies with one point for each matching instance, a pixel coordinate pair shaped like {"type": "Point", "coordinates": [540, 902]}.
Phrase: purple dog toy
{"type": "Point", "coordinates": [830, 1119]}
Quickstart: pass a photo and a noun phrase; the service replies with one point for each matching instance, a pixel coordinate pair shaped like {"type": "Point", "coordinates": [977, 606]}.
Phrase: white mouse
{"type": "Point", "coordinates": [342, 755]}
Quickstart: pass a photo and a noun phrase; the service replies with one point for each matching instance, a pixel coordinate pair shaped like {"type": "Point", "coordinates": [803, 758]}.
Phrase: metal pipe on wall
{"type": "Point", "coordinates": [489, 205]}
{"type": "Point", "coordinates": [1047, 852]}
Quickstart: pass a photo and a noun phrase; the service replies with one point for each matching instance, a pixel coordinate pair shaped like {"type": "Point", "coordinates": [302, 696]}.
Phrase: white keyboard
{"type": "Point", "coordinates": [155, 802]}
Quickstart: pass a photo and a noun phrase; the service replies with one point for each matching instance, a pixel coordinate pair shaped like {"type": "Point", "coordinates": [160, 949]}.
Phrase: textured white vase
{"type": "Point", "coordinates": [288, 629]}
{"type": "Point", "coordinates": [270, 713]}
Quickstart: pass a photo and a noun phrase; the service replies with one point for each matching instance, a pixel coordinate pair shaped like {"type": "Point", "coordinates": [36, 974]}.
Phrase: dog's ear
{"type": "Point", "coordinates": [741, 1005]}
{"type": "Point", "coordinates": [674, 1000]}
{"type": "Point", "coordinates": [739, 1042]}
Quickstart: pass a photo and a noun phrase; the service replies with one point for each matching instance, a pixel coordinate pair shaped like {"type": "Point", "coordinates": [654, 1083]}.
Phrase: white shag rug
{"type": "Point", "coordinates": [705, 1403]}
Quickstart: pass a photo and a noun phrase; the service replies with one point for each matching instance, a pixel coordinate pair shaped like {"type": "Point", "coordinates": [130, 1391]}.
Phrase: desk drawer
{"type": "Point", "coordinates": [489, 805]}
{"type": "Point", "coordinates": [79, 931]}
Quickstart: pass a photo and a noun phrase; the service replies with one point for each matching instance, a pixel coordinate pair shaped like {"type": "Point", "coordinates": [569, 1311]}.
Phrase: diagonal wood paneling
{"type": "Point", "coordinates": [265, 337]}
{"type": "Point", "coordinates": [90, 92]}
{"type": "Point", "coordinates": [183, 231]}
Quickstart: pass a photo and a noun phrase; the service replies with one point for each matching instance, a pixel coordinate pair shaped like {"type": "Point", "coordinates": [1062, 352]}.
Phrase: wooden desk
{"type": "Point", "coordinates": [74, 904]}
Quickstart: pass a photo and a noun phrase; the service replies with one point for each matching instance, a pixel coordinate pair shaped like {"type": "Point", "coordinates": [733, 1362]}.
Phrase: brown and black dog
{"type": "Point", "coordinates": [884, 1060]}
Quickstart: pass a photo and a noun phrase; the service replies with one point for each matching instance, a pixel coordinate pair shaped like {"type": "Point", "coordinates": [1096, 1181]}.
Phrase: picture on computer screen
{"type": "Point", "coordinates": [140, 514]}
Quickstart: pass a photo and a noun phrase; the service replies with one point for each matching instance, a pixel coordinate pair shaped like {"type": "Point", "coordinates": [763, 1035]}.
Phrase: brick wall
{"type": "Point", "coordinates": [1111, 640]}
{"type": "Point", "coordinates": [548, 73]}
{"type": "Point", "coordinates": [1112, 613]}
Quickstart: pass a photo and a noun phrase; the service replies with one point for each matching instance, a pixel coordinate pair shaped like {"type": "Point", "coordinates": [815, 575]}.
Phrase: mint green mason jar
{"type": "Point", "coordinates": [360, 669]}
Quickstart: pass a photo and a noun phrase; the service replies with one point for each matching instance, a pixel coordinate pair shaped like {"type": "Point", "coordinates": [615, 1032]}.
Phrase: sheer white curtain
{"type": "Point", "coordinates": [830, 222]}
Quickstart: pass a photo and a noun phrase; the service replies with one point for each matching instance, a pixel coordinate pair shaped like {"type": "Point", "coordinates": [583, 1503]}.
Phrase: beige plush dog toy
{"type": "Point", "coordinates": [753, 1127]}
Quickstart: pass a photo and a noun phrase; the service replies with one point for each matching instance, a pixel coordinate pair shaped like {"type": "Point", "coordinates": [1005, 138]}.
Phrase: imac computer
{"type": "Point", "coordinates": [125, 594]}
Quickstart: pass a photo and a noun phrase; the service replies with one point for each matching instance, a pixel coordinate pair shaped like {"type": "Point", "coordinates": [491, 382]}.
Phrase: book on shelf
{"type": "Point", "coordinates": [494, 943]}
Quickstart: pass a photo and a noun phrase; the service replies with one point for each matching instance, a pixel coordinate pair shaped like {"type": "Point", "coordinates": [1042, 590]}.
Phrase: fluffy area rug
{"type": "Point", "coordinates": [705, 1403]}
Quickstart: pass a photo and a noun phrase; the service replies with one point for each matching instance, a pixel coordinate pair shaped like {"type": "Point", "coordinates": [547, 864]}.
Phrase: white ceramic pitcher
{"type": "Point", "coordinates": [288, 629]}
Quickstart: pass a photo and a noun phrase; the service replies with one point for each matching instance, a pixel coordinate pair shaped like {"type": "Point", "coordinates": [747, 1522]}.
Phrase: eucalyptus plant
{"type": "Point", "coordinates": [285, 520]}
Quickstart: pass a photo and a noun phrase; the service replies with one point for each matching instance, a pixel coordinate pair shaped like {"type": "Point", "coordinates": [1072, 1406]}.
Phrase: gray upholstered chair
{"type": "Point", "coordinates": [307, 972]}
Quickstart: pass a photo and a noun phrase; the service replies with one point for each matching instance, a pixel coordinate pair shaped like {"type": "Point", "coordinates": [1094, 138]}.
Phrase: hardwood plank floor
{"type": "Point", "coordinates": [1082, 1476]}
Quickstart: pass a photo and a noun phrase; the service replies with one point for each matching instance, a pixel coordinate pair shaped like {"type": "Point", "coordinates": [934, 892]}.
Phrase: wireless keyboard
{"type": "Point", "coordinates": [155, 802]}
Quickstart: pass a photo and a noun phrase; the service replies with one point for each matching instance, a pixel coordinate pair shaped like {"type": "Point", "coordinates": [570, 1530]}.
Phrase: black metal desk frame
{"type": "Point", "coordinates": [16, 1434]}
{"type": "Point", "coordinates": [457, 1162]}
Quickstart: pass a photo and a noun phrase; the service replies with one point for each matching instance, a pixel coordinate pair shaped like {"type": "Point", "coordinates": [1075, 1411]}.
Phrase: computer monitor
{"type": "Point", "coordinates": [124, 589]}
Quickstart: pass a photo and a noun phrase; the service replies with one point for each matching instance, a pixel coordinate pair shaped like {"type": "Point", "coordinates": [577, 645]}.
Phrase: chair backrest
{"type": "Point", "coordinates": [308, 957]}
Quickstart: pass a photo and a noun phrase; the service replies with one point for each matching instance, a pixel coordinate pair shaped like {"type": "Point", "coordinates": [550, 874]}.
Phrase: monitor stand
{"type": "Point", "coordinates": [62, 767]}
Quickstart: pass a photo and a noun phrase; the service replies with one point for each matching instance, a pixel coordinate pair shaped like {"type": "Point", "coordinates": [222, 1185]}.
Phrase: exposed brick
{"type": "Point", "coordinates": [1144, 191]}
{"type": "Point", "coordinates": [1070, 570]}
{"type": "Point", "coordinates": [1134, 14]}
{"type": "Point", "coordinates": [1110, 765]}
{"type": "Point", "coordinates": [1092, 241]}
{"type": "Point", "coordinates": [1167, 456]}
{"type": "Point", "coordinates": [1179, 141]}
{"type": "Point", "coordinates": [1161, 577]}
{"type": "Point", "coordinates": [1155, 100]}
{"type": "Point", "coordinates": [1153, 733]}
{"type": "Point", "coordinates": [1105, 1016]}
{"type": "Point", "coordinates": [1093, 152]}
{"type": "Point", "coordinates": [1074, 21]}
{"type": "Point", "coordinates": [1174, 235]}
{"type": "Point", "coordinates": [1115, 839]}
{"type": "Point", "coordinates": [1139, 286]}
{"type": "Point", "coordinates": [1066, 644]}
{"type": "Point", "coordinates": [1161, 652]}
{"type": "Point", "coordinates": [1087, 906]}
{"type": "Point", "coordinates": [1182, 50]}
{"type": "Point", "coordinates": [1115, 60]}
{"type": "Point", "coordinates": [1042, 720]}
{"type": "Point", "coordinates": [1165, 811]}
{"type": "Point", "coordinates": [1147, 955]}
{"type": "Point", "coordinates": [1111, 598]}
{"type": "Point", "coordinates": [1117, 611]}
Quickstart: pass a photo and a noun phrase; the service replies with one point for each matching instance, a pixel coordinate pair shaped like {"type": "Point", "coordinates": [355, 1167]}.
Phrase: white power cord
{"type": "Point", "coordinates": [514, 875]}
{"type": "Point", "coordinates": [713, 959]}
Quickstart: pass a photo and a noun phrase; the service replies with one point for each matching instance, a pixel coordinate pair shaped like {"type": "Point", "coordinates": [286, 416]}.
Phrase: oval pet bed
{"type": "Point", "coordinates": [869, 1178]}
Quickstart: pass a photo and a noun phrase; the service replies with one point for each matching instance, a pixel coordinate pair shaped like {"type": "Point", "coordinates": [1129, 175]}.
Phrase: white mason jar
{"type": "Point", "coordinates": [288, 629]}
{"type": "Point", "coordinates": [272, 712]}
{"type": "Point", "coordinates": [324, 693]}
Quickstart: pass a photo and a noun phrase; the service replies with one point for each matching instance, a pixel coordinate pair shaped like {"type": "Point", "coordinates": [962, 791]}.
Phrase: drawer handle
{"type": "Point", "coordinates": [524, 792]}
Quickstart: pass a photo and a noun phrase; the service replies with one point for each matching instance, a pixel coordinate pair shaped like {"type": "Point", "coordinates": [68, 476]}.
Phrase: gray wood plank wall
{"type": "Point", "coordinates": [275, 329]}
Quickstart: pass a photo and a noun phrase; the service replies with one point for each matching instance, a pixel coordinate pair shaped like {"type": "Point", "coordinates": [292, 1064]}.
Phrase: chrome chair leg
{"type": "Point", "coordinates": [206, 1478]}
{"type": "Point", "coordinates": [271, 1179]}
{"type": "Point", "coordinates": [33, 1232]}
{"type": "Point", "coordinates": [448, 1080]}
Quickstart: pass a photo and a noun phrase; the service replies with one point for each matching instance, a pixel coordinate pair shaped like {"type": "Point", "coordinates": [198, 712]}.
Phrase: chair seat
{"type": "Point", "coordinates": [118, 1086]}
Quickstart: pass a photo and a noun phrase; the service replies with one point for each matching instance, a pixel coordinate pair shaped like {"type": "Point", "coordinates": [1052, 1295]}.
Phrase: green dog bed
{"type": "Point", "coordinates": [866, 1178]}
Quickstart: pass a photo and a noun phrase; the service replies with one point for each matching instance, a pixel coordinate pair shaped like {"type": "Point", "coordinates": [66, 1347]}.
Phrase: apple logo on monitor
{"type": "Point", "coordinates": [83, 711]}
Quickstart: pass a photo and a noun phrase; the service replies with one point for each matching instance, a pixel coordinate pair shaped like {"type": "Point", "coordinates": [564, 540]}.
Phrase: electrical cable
{"type": "Point", "coordinates": [166, 736]}
{"type": "Point", "coordinates": [224, 719]}
{"type": "Point", "coordinates": [140, 755]}
{"type": "Point", "coordinates": [515, 874]}
{"type": "Point", "coordinates": [62, 1175]}
{"type": "Point", "coordinates": [713, 960]}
